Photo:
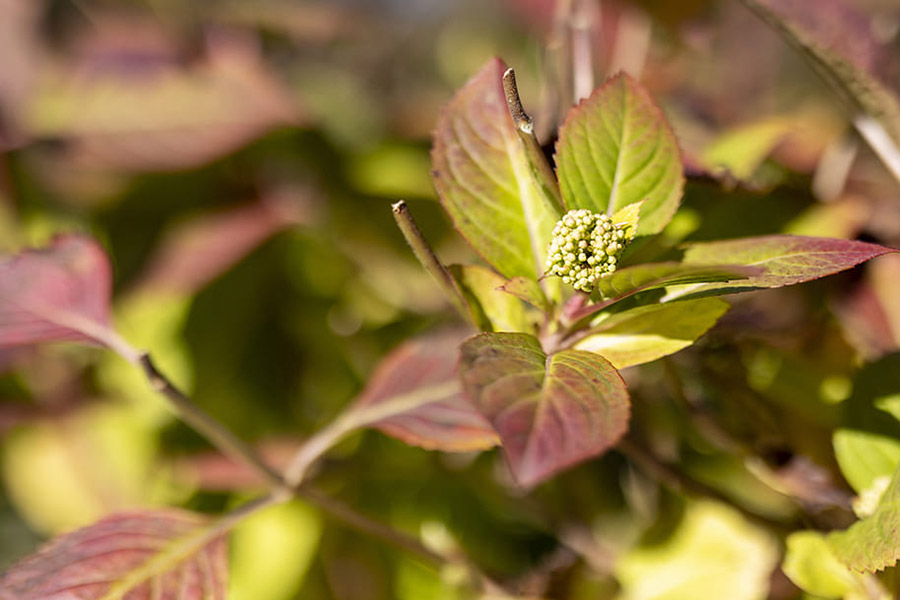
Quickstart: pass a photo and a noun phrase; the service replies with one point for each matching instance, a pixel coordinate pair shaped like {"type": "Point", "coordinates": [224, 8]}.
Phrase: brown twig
{"type": "Point", "coordinates": [429, 260]}
{"type": "Point", "coordinates": [223, 439]}
{"type": "Point", "coordinates": [534, 154]}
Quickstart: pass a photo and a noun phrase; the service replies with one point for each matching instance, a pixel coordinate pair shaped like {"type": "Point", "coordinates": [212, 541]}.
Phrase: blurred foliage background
{"type": "Point", "coordinates": [238, 160]}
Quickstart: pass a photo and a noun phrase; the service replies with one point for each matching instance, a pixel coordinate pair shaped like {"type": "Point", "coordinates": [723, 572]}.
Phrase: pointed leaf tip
{"type": "Point", "coordinates": [615, 148]}
{"type": "Point", "coordinates": [550, 412]}
{"type": "Point", "coordinates": [58, 293]}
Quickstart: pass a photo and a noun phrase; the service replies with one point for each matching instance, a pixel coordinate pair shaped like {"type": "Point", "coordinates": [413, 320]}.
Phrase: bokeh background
{"type": "Point", "coordinates": [238, 160]}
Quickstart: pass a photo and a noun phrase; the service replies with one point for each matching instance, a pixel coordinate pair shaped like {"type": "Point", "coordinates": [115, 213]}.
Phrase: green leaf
{"type": "Point", "coordinates": [616, 148]}
{"type": "Point", "coordinates": [811, 565]}
{"type": "Point", "coordinates": [872, 543]}
{"type": "Point", "coordinates": [742, 150]}
{"type": "Point", "coordinates": [290, 534]}
{"type": "Point", "coordinates": [714, 553]}
{"type": "Point", "coordinates": [867, 444]}
{"type": "Point", "coordinates": [784, 260]}
{"type": "Point", "coordinates": [485, 181]}
{"type": "Point", "coordinates": [643, 334]}
{"type": "Point", "coordinates": [491, 307]}
{"type": "Point", "coordinates": [527, 290]}
{"type": "Point", "coordinates": [549, 411]}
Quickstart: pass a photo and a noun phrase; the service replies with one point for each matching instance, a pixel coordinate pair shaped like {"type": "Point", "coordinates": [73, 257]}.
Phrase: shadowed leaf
{"type": "Point", "coordinates": [837, 40]}
{"type": "Point", "coordinates": [162, 555]}
{"type": "Point", "coordinates": [785, 260]}
{"type": "Point", "coordinates": [550, 412]}
{"type": "Point", "coordinates": [485, 181]}
{"type": "Point", "coordinates": [626, 282]}
{"type": "Point", "coordinates": [867, 442]}
{"type": "Point", "coordinates": [643, 334]}
{"type": "Point", "coordinates": [615, 148]}
{"type": "Point", "coordinates": [872, 543]}
{"type": "Point", "coordinates": [59, 293]}
{"type": "Point", "coordinates": [414, 396]}
{"type": "Point", "coordinates": [492, 307]}
{"type": "Point", "coordinates": [170, 117]}
{"type": "Point", "coordinates": [528, 291]}
{"type": "Point", "coordinates": [199, 250]}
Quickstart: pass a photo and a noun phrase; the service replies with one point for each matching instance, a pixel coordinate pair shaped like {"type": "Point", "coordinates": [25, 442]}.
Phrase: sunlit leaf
{"type": "Point", "coordinates": [272, 550]}
{"type": "Point", "coordinates": [527, 290]}
{"type": "Point", "coordinates": [616, 148]}
{"type": "Point", "coordinates": [100, 459]}
{"type": "Point", "coordinates": [811, 565]}
{"type": "Point", "coordinates": [867, 442]}
{"type": "Point", "coordinates": [485, 182]}
{"type": "Point", "coordinates": [872, 543]}
{"type": "Point", "coordinates": [149, 554]}
{"type": "Point", "coordinates": [741, 151]}
{"type": "Point", "coordinates": [414, 395]}
{"type": "Point", "coordinates": [714, 553]}
{"type": "Point", "coordinates": [643, 334]}
{"type": "Point", "coordinates": [494, 308]}
{"type": "Point", "coordinates": [59, 293]}
{"type": "Point", "coordinates": [549, 411]}
{"type": "Point", "coordinates": [785, 260]}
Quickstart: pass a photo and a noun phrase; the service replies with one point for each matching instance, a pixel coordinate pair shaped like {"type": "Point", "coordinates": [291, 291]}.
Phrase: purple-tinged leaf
{"type": "Point", "coordinates": [60, 293]}
{"type": "Point", "coordinates": [837, 41]}
{"type": "Point", "coordinates": [785, 260]}
{"type": "Point", "coordinates": [167, 115]}
{"type": "Point", "coordinates": [485, 181]}
{"type": "Point", "coordinates": [616, 148]}
{"type": "Point", "coordinates": [199, 250]}
{"type": "Point", "coordinates": [549, 411]}
{"type": "Point", "coordinates": [414, 396]}
{"type": "Point", "coordinates": [149, 555]}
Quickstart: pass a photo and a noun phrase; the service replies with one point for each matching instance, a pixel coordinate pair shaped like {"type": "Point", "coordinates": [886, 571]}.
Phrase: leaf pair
{"type": "Point", "coordinates": [614, 150]}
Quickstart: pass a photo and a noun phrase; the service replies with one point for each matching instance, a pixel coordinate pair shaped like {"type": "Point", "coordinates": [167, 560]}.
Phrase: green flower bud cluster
{"type": "Point", "coordinates": [585, 247]}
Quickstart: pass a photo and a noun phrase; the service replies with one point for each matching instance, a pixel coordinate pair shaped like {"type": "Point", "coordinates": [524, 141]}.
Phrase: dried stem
{"type": "Point", "coordinates": [423, 251]}
{"type": "Point", "coordinates": [534, 154]}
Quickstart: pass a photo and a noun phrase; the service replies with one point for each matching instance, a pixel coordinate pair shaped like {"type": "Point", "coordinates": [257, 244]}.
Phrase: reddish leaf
{"type": "Point", "coordinates": [485, 182]}
{"type": "Point", "coordinates": [159, 555]}
{"type": "Point", "coordinates": [785, 260]}
{"type": "Point", "coordinates": [60, 293]}
{"type": "Point", "coordinates": [164, 116]}
{"type": "Point", "coordinates": [424, 405]}
{"type": "Point", "coordinates": [200, 250]}
{"type": "Point", "coordinates": [550, 412]}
